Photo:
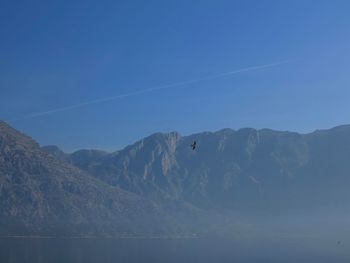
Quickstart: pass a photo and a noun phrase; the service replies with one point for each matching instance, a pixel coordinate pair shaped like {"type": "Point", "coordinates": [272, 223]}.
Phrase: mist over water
{"type": "Point", "coordinates": [168, 250]}
{"type": "Point", "coordinates": [283, 239]}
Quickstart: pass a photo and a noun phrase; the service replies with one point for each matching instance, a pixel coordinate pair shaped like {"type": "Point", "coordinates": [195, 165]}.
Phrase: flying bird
{"type": "Point", "coordinates": [193, 145]}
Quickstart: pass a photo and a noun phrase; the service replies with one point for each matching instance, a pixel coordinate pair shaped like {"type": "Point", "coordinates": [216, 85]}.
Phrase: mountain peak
{"type": "Point", "coordinates": [4, 125]}
{"type": "Point", "coordinates": [225, 131]}
{"type": "Point", "coordinates": [162, 135]}
{"type": "Point", "coordinates": [159, 138]}
{"type": "Point", "coordinates": [11, 136]}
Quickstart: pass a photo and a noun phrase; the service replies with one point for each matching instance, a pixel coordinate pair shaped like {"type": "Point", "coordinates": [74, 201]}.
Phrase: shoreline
{"type": "Point", "coordinates": [99, 237]}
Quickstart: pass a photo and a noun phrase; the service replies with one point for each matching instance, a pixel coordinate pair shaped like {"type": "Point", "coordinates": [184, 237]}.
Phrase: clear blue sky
{"type": "Point", "coordinates": [55, 54]}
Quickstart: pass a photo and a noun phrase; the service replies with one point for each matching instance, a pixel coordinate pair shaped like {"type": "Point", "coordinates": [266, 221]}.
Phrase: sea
{"type": "Point", "coordinates": [175, 250]}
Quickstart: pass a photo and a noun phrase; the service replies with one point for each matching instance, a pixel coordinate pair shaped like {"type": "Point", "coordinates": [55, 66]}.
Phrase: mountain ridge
{"type": "Point", "coordinates": [244, 164]}
{"type": "Point", "coordinates": [42, 194]}
{"type": "Point", "coordinates": [160, 186]}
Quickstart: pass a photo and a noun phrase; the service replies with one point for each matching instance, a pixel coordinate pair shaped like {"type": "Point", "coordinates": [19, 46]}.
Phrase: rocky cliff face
{"type": "Point", "coordinates": [40, 193]}
{"type": "Point", "coordinates": [244, 169]}
{"type": "Point", "coordinates": [160, 186]}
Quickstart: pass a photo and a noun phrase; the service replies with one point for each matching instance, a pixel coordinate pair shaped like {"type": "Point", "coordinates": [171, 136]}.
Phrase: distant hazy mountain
{"type": "Point", "coordinates": [244, 169]}
{"type": "Point", "coordinates": [159, 185]}
{"type": "Point", "coordinates": [41, 194]}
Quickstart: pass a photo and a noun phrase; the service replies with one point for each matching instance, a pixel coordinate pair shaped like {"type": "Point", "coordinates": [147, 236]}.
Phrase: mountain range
{"type": "Point", "coordinates": [160, 186]}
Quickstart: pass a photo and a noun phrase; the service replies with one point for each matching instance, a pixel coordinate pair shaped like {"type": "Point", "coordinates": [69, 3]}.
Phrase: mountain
{"type": "Point", "coordinates": [160, 186]}
{"type": "Point", "coordinates": [247, 169]}
{"type": "Point", "coordinates": [43, 194]}
{"type": "Point", "coordinates": [56, 151]}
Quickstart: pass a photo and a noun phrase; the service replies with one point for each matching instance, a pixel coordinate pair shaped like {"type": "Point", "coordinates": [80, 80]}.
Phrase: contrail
{"type": "Point", "coordinates": [177, 84]}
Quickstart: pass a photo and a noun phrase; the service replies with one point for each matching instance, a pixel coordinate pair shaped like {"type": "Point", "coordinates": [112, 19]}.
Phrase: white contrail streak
{"type": "Point", "coordinates": [177, 84]}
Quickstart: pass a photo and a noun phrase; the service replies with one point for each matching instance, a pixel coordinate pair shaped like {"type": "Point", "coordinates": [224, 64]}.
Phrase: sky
{"type": "Point", "coordinates": [104, 74]}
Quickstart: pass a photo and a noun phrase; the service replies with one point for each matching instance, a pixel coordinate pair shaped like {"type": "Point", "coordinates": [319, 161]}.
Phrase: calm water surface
{"type": "Point", "coordinates": [65, 250]}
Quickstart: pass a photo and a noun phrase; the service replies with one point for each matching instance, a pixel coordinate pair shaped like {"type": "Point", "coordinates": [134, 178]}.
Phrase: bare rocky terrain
{"type": "Point", "coordinates": [159, 187]}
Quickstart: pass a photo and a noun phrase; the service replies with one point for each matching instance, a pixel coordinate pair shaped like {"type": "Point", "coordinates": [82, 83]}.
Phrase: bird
{"type": "Point", "coordinates": [193, 145]}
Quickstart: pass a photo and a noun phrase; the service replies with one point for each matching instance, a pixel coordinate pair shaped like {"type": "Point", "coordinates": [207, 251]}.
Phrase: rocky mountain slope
{"type": "Point", "coordinates": [244, 169]}
{"type": "Point", "coordinates": [159, 186]}
{"type": "Point", "coordinates": [42, 194]}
